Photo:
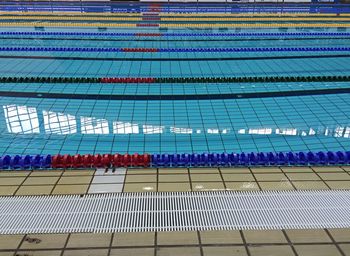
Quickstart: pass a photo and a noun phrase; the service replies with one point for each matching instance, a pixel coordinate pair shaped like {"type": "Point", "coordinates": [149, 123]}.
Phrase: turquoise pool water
{"type": "Point", "coordinates": [42, 125]}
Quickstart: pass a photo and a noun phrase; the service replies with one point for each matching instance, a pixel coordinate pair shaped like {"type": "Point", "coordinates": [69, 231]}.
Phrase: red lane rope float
{"type": "Point", "coordinates": [100, 161]}
{"type": "Point", "coordinates": [148, 34]}
{"type": "Point", "coordinates": [151, 18]}
{"type": "Point", "coordinates": [147, 25]}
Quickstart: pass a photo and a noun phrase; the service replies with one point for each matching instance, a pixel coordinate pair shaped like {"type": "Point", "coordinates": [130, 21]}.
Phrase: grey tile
{"type": "Point", "coordinates": [105, 188]}
{"type": "Point", "coordinates": [108, 179]}
{"type": "Point", "coordinates": [118, 171]}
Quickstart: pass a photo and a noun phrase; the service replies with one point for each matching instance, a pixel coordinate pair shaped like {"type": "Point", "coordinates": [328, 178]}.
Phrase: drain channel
{"type": "Point", "coordinates": [175, 211]}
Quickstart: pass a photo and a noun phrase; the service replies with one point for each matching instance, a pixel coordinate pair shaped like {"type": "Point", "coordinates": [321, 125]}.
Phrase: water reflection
{"type": "Point", "coordinates": [26, 120]}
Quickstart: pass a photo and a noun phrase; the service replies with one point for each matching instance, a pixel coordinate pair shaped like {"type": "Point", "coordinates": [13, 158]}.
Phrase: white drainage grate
{"type": "Point", "coordinates": [131, 212]}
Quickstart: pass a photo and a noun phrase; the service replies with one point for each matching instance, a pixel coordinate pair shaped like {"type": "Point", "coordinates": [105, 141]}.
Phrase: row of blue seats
{"type": "Point", "coordinates": [206, 159]}
{"type": "Point", "coordinates": [177, 34]}
{"type": "Point", "coordinates": [250, 159]}
{"type": "Point", "coordinates": [25, 162]}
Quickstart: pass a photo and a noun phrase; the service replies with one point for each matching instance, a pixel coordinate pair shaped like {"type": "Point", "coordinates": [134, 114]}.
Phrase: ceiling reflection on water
{"type": "Point", "coordinates": [25, 120]}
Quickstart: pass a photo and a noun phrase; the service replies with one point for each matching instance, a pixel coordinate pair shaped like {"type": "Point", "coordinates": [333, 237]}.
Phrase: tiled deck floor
{"type": "Point", "coordinates": [219, 243]}
{"type": "Point", "coordinates": [181, 179]}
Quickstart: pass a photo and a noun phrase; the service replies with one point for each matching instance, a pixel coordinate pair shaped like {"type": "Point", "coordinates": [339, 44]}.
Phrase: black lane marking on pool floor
{"type": "Point", "coordinates": [175, 97]}
{"type": "Point", "coordinates": [177, 59]}
{"type": "Point", "coordinates": [174, 40]}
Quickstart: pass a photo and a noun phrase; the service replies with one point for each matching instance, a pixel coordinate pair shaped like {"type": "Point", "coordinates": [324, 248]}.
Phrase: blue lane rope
{"type": "Point", "coordinates": [246, 49]}
{"type": "Point", "coordinates": [176, 34]}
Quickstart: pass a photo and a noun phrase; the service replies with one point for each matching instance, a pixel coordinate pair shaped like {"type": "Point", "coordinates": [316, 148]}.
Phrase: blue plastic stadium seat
{"type": "Point", "coordinates": [292, 159]}
{"type": "Point", "coordinates": [225, 159]}
{"type": "Point", "coordinates": [302, 160]}
{"type": "Point", "coordinates": [253, 158]}
{"type": "Point", "coordinates": [195, 159]}
{"type": "Point", "coordinates": [243, 159]}
{"type": "Point", "coordinates": [27, 162]}
{"type": "Point", "coordinates": [271, 158]}
{"type": "Point", "coordinates": [341, 157]}
{"type": "Point", "coordinates": [15, 162]}
{"type": "Point", "coordinates": [262, 159]}
{"type": "Point", "coordinates": [204, 159]}
{"type": "Point", "coordinates": [332, 158]}
{"type": "Point", "coordinates": [281, 158]}
{"type": "Point", "coordinates": [322, 158]}
{"type": "Point", "coordinates": [312, 159]}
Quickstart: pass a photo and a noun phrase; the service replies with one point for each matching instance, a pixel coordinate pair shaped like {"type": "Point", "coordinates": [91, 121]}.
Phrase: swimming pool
{"type": "Point", "coordinates": [167, 113]}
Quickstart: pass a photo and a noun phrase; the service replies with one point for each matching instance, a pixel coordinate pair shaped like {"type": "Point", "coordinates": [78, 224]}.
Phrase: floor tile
{"type": "Point", "coordinates": [90, 252]}
{"type": "Point", "coordinates": [173, 178]}
{"type": "Point", "coordinates": [205, 177]}
{"type": "Point", "coordinates": [178, 251]}
{"type": "Point", "coordinates": [132, 252]}
{"type": "Point", "coordinates": [7, 190]}
{"type": "Point", "coordinates": [11, 180]}
{"type": "Point", "coordinates": [339, 184]}
{"type": "Point", "coordinates": [14, 173]}
{"type": "Point", "coordinates": [346, 168]}
{"type": "Point", "coordinates": [110, 171]}
{"type": "Point", "coordinates": [75, 180]}
{"type": "Point", "coordinates": [266, 170]}
{"type": "Point", "coordinates": [271, 250]}
{"type": "Point", "coordinates": [42, 173]}
{"type": "Point", "coordinates": [302, 176]}
{"type": "Point", "coordinates": [207, 186]}
{"type": "Point", "coordinates": [10, 241]}
{"type": "Point", "coordinates": [39, 253]}
{"type": "Point", "coordinates": [204, 170]}
{"type": "Point", "coordinates": [41, 181]}
{"type": "Point", "coordinates": [345, 248]}
{"type": "Point", "coordinates": [235, 170]}
{"type": "Point", "coordinates": [245, 185]}
{"type": "Point", "coordinates": [79, 173]}
{"type": "Point", "coordinates": [238, 177]}
{"type": "Point", "coordinates": [335, 176]}
{"type": "Point", "coordinates": [140, 187]}
{"type": "Point", "coordinates": [172, 170]}
{"type": "Point", "coordinates": [109, 179]}
{"type": "Point", "coordinates": [70, 189]}
{"type": "Point", "coordinates": [270, 177]}
{"type": "Point", "coordinates": [11, 253]}
{"type": "Point", "coordinates": [173, 187]}
{"type": "Point", "coordinates": [310, 185]}
{"type": "Point", "coordinates": [340, 234]}
{"type": "Point", "coordinates": [317, 250]}
{"type": "Point", "coordinates": [89, 240]}
{"type": "Point", "coordinates": [264, 236]}
{"type": "Point", "coordinates": [224, 251]}
{"type": "Point", "coordinates": [221, 237]}
{"type": "Point", "coordinates": [307, 235]}
{"type": "Point", "coordinates": [277, 185]}
{"type": "Point", "coordinates": [105, 188]}
{"type": "Point", "coordinates": [177, 238]}
{"type": "Point", "coordinates": [328, 169]}
{"type": "Point", "coordinates": [134, 239]}
{"type": "Point", "coordinates": [141, 178]}
{"type": "Point", "coordinates": [34, 190]}
{"type": "Point", "coordinates": [44, 241]}
{"type": "Point", "coordinates": [297, 169]}
{"type": "Point", "coordinates": [141, 171]}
